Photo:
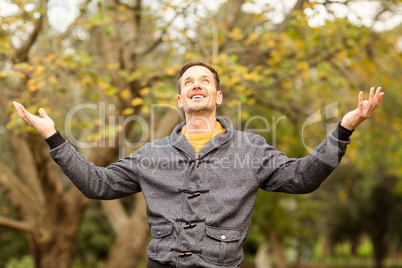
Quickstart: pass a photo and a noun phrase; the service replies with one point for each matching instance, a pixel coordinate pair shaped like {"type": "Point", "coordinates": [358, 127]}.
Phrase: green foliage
{"type": "Point", "coordinates": [24, 262]}
{"type": "Point", "coordinates": [94, 237]}
{"type": "Point", "coordinates": [13, 246]}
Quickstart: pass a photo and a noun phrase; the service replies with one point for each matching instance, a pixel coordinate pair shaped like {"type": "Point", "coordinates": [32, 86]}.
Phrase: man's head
{"type": "Point", "coordinates": [198, 63]}
{"type": "Point", "coordinates": [198, 87]}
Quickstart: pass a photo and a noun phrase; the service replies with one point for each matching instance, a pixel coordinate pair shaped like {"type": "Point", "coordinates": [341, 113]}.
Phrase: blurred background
{"type": "Point", "coordinates": [289, 69]}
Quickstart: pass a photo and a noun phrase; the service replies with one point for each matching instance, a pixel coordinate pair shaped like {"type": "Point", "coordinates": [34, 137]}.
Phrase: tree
{"type": "Point", "coordinates": [50, 210]}
{"type": "Point", "coordinates": [123, 55]}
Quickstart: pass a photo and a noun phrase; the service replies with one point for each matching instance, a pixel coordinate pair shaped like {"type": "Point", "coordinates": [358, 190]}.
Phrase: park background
{"type": "Point", "coordinates": [291, 68]}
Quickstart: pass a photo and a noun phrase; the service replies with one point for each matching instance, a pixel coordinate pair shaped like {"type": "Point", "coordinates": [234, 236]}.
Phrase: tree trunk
{"type": "Point", "coordinates": [381, 210]}
{"type": "Point", "coordinates": [328, 247]}
{"type": "Point", "coordinates": [49, 214]}
{"type": "Point", "coordinates": [130, 244]}
{"type": "Point", "coordinates": [380, 250]}
{"type": "Point", "coordinates": [262, 258]}
{"type": "Point", "coordinates": [278, 251]}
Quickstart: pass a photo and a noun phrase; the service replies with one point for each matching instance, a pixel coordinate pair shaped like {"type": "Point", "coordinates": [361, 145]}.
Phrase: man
{"type": "Point", "coordinates": [199, 203]}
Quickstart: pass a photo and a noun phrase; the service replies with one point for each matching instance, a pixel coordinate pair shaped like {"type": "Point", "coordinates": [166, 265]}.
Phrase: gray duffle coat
{"type": "Point", "coordinates": [199, 205]}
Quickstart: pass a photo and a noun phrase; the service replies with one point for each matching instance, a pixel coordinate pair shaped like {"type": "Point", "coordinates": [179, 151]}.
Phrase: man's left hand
{"type": "Point", "coordinates": [364, 108]}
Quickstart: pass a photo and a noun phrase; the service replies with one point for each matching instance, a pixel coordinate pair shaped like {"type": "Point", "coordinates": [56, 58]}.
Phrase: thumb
{"type": "Point", "coordinates": [43, 113]}
{"type": "Point", "coordinates": [365, 102]}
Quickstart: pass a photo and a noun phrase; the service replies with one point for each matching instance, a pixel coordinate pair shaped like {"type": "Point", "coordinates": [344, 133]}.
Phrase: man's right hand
{"type": "Point", "coordinates": [44, 124]}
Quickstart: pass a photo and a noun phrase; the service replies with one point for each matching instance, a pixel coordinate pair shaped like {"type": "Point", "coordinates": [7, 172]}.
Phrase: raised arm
{"type": "Point", "coordinates": [115, 181]}
{"type": "Point", "coordinates": [305, 174]}
{"type": "Point", "coordinates": [44, 124]}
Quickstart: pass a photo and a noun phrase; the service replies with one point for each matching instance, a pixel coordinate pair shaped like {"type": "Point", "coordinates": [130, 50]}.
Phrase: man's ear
{"type": "Point", "coordinates": [219, 98]}
{"type": "Point", "coordinates": [179, 101]}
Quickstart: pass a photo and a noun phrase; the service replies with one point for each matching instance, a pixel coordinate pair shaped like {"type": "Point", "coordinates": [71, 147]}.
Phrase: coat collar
{"type": "Point", "coordinates": [179, 141]}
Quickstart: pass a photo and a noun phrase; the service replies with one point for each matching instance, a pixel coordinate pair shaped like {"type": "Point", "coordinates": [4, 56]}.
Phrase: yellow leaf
{"type": "Point", "coordinates": [251, 102]}
{"type": "Point", "coordinates": [249, 92]}
{"type": "Point", "coordinates": [170, 71]}
{"type": "Point", "coordinates": [20, 75]}
{"type": "Point", "coordinates": [103, 85]}
{"type": "Point", "coordinates": [245, 115]}
{"type": "Point", "coordinates": [239, 89]}
{"type": "Point", "coordinates": [35, 59]}
{"type": "Point", "coordinates": [39, 70]}
{"type": "Point", "coordinates": [121, 8]}
{"type": "Point", "coordinates": [145, 110]}
{"type": "Point", "coordinates": [145, 91]}
{"type": "Point", "coordinates": [286, 84]}
{"type": "Point", "coordinates": [86, 80]}
{"type": "Point", "coordinates": [342, 195]}
{"type": "Point", "coordinates": [252, 37]}
{"type": "Point", "coordinates": [125, 94]}
{"type": "Point", "coordinates": [128, 111]}
{"type": "Point", "coordinates": [236, 34]}
{"type": "Point", "coordinates": [51, 56]}
{"type": "Point", "coordinates": [303, 66]}
{"type": "Point", "coordinates": [137, 101]}
{"type": "Point", "coordinates": [32, 85]}
{"type": "Point", "coordinates": [232, 103]}
{"type": "Point", "coordinates": [113, 66]}
{"type": "Point", "coordinates": [53, 80]}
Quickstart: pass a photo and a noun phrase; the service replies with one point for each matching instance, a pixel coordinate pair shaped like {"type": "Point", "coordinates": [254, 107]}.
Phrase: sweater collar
{"type": "Point", "coordinates": [178, 140]}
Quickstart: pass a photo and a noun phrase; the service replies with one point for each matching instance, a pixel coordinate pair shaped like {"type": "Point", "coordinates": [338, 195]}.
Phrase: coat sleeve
{"type": "Point", "coordinates": [278, 173]}
{"type": "Point", "coordinates": [115, 181]}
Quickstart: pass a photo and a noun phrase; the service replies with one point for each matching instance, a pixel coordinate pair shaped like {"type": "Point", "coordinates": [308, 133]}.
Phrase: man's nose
{"type": "Point", "coordinates": [196, 84]}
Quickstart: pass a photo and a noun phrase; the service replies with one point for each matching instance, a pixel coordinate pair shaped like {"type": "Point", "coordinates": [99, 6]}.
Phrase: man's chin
{"type": "Point", "coordinates": [194, 110]}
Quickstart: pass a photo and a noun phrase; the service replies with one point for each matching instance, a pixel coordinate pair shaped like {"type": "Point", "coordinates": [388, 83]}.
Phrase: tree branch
{"type": "Point", "coordinates": [15, 224]}
{"type": "Point", "coordinates": [26, 166]}
{"type": "Point", "coordinates": [70, 28]}
{"type": "Point", "coordinates": [285, 23]}
{"type": "Point", "coordinates": [116, 214]}
{"type": "Point", "coordinates": [233, 14]}
{"type": "Point", "coordinates": [231, 18]}
{"type": "Point", "coordinates": [18, 194]}
{"type": "Point", "coordinates": [157, 42]}
{"type": "Point", "coordinates": [21, 54]}
{"type": "Point", "coordinates": [167, 123]}
{"type": "Point", "coordinates": [294, 113]}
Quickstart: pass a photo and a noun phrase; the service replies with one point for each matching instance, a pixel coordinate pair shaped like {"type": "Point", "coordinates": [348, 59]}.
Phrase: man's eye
{"type": "Point", "coordinates": [187, 83]}
{"type": "Point", "coordinates": [205, 81]}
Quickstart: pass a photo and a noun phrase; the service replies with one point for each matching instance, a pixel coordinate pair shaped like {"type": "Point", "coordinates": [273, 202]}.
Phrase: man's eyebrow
{"type": "Point", "coordinates": [192, 78]}
{"type": "Point", "coordinates": [187, 78]}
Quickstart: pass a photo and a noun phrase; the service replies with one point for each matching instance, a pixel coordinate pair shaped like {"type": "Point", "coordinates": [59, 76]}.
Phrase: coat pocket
{"type": "Point", "coordinates": [221, 245]}
{"type": "Point", "coordinates": [161, 240]}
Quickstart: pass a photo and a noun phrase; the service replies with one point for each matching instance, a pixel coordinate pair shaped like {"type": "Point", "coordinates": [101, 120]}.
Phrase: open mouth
{"type": "Point", "coordinates": [197, 97]}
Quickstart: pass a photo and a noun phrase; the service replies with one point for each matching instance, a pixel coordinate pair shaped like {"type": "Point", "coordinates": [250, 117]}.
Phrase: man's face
{"type": "Point", "coordinates": [198, 91]}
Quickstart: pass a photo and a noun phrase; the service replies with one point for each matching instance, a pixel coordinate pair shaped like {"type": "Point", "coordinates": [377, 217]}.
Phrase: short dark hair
{"type": "Point", "coordinates": [198, 63]}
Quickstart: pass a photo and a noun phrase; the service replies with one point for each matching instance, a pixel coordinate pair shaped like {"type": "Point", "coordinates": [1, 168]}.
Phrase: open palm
{"type": "Point", "coordinates": [44, 124]}
{"type": "Point", "coordinates": [364, 109]}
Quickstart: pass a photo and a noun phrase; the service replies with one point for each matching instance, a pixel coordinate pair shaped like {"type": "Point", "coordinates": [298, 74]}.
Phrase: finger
{"type": "Point", "coordinates": [365, 104]}
{"type": "Point", "coordinates": [371, 96]}
{"type": "Point", "coordinates": [377, 95]}
{"type": "Point", "coordinates": [43, 113]}
{"type": "Point", "coordinates": [360, 101]}
{"type": "Point", "coordinates": [26, 115]}
{"type": "Point", "coordinates": [17, 107]}
{"type": "Point", "coordinates": [21, 112]}
{"type": "Point", "coordinates": [380, 97]}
